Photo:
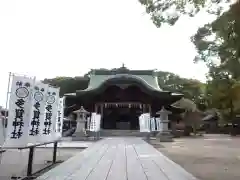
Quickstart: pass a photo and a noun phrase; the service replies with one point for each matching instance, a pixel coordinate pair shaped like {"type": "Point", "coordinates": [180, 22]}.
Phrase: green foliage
{"type": "Point", "coordinates": [69, 84]}
{"type": "Point", "coordinates": [169, 11]}
{"type": "Point", "coordinates": [218, 45]}
{"type": "Point", "coordinates": [220, 41]}
{"type": "Point", "coordinates": [191, 88]}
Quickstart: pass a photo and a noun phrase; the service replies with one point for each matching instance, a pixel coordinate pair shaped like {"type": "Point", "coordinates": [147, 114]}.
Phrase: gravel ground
{"type": "Point", "coordinates": [212, 157]}
{"type": "Point", "coordinates": [14, 162]}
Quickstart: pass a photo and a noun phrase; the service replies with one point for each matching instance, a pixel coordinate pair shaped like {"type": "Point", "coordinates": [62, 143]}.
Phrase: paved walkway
{"type": "Point", "coordinates": [118, 159]}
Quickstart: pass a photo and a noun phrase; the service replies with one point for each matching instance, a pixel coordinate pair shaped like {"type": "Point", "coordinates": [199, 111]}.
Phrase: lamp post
{"type": "Point", "coordinates": [164, 135]}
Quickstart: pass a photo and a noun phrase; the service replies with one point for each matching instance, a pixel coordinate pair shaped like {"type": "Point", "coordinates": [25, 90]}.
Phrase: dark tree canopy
{"type": "Point", "coordinates": [69, 84]}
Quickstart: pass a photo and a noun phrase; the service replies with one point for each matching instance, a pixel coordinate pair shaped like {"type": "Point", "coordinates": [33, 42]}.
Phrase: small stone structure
{"type": "Point", "coordinates": [80, 132]}
{"type": "Point", "coordinates": [164, 135]}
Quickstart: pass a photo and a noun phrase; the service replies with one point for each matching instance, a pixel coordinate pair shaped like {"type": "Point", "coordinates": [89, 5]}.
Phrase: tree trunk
{"type": "Point", "coordinates": [233, 129]}
{"type": "Point", "coordinates": [187, 130]}
{"type": "Point", "coordinates": [173, 128]}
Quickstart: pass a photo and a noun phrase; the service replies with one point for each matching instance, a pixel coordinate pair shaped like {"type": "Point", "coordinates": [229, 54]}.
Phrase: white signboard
{"type": "Point", "coordinates": [153, 124]}
{"type": "Point", "coordinates": [158, 124]}
{"type": "Point", "coordinates": [98, 122]}
{"type": "Point", "coordinates": [37, 113]}
{"type": "Point", "coordinates": [144, 122]}
{"type": "Point", "coordinates": [59, 121]}
{"type": "Point", "coordinates": [95, 122]}
{"type": "Point", "coordinates": [48, 127]}
{"type": "Point", "coordinates": [19, 112]}
{"type": "Point", "coordinates": [88, 123]}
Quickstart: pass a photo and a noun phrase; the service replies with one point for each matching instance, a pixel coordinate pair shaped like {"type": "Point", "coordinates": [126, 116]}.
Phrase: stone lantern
{"type": "Point", "coordinates": [164, 135]}
{"type": "Point", "coordinates": [81, 121]}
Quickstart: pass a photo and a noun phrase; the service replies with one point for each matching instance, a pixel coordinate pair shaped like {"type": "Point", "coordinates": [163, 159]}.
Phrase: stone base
{"type": "Point", "coordinates": [164, 137]}
{"type": "Point", "coordinates": [79, 136]}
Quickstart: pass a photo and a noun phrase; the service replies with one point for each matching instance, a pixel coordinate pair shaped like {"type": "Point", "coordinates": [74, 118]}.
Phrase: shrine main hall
{"type": "Point", "coordinates": [121, 96]}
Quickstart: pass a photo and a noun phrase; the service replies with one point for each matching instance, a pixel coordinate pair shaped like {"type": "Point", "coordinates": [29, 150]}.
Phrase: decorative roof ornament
{"type": "Point", "coordinates": [81, 110]}
{"type": "Point", "coordinates": [164, 111]}
{"type": "Point", "coordinates": [122, 70]}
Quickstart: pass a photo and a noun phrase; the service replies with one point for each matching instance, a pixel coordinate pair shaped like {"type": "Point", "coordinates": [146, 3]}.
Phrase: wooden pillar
{"type": "Point", "coordinates": [101, 109]}
{"type": "Point", "coordinates": [149, 109]}
{"type": "Point", "coordinates": [101, 121]}
{"type": "Point", "coordinates": [95, 108]}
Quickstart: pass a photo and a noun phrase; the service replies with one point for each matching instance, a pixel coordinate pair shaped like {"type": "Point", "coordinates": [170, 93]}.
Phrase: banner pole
{"type": "Point", "coordinates": [6, 106]}
{"type": "Point", "coordinates": [9, 78]}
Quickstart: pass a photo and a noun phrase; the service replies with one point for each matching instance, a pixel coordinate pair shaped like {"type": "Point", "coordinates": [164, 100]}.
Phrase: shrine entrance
{"type": "Point", "coordinates": [120, 106]}
{"type": "Point", "coordinates": [121, 116]}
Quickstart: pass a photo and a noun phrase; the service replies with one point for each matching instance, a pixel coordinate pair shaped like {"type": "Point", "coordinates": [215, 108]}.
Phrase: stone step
{"type": "Point", "coordinates": [113, 132]}
{"type": "Point", "coordinates": [135, 133]}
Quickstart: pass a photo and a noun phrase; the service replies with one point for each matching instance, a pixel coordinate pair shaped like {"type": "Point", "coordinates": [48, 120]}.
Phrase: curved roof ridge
{"type": "Point", "coordinates": [125, 76]}
{"type": "Point", "coordinates": [132, 76]}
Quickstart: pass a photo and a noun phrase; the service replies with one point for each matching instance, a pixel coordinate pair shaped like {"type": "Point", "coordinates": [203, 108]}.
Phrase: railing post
{"type": "Point", "coordinates": [55, 152]}
{"type": "Point", "coordinates": [30, 161]}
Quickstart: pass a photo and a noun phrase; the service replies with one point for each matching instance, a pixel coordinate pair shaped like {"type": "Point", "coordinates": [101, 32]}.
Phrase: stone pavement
{"type": "Point", "coordinates": [118, 159]}
{"type": "Point", "coordinates": [69, 144]}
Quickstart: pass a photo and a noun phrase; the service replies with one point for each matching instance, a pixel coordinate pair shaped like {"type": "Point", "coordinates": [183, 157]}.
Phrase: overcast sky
{"type": "Point", "coordinates": [50, 38]}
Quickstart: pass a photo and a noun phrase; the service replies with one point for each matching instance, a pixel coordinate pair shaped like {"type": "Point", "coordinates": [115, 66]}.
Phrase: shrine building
{"type": "Point", "coordinates": [120, 96]}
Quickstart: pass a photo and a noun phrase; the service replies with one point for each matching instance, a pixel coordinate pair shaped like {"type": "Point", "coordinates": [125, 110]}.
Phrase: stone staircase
{"type": "Point", "coordinates": [123, 133]}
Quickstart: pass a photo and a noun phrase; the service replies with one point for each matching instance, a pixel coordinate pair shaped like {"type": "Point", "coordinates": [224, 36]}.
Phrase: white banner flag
{"type": "Point", "coordinates": [59, 120]}
{"type": "Point", "coordinates": [19, 112]}
{"type": "Point", "coordinates": [37, 114]}
{"type": "Point", "coordinates": [48, 127]}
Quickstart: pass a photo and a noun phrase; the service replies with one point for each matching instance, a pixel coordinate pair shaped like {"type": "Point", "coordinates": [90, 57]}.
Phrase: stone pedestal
{"type": "Point", "coordinates": [80, 132]}
{"type": "Point", "coordinates": [164, 137]}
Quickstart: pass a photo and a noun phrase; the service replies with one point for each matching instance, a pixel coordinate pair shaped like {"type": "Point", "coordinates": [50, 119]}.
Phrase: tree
{"type": "Point", "coordinates": [222, 92]}
{"type": "Point", "coordinates": [191, 88]}
{"type": "Point", "coordinates": [69, 84]}
{"type": "Point", "coordinates": [218, 45]}
{"type": "Point", "coordinates": [220, 41]}
{"type": "Point", "coordinates": [169, 11]}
